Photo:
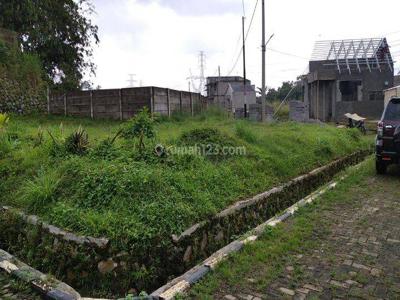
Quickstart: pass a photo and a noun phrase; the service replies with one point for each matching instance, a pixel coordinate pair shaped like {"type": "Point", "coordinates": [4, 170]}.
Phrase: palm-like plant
{"type": "Point", "coordinates": [77, 142]}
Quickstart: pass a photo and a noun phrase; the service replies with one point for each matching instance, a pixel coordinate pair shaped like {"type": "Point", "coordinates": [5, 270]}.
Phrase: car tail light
{"type": "Point", "coordinates": [380, 129]}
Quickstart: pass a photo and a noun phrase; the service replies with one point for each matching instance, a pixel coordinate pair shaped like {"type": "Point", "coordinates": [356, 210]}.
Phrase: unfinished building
{"type": "Point", "coordinates": [348, 76]}
{"type": "Point", "coordinates": [230, 92]}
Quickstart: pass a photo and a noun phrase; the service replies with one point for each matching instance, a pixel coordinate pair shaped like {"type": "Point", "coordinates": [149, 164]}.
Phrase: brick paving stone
{"type": "Point", "coordinates": [313, 287]}
{"type": "Point", "coordinates": [357, 255]}
{"type": "Point", "coordinates": [287, 291]}
{"type": "Point", "coordinates": [362, 267]}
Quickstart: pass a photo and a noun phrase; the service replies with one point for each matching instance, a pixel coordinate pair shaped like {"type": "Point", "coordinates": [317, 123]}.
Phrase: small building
{"type": "Point", "coordinates": [348, 76]}
{"type": "Point", "coordinates": [230, 92]}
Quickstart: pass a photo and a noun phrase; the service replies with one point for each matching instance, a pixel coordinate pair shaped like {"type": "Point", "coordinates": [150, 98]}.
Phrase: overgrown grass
{"type": "Point", "coordinates": [142, 198]}
{"type": "Point", "coordinates": [264, 261]}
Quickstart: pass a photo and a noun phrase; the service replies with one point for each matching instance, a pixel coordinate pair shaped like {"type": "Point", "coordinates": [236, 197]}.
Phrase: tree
{"type": "Point", "coordinates": [281, 93]}
{"type": "Point", "coordinates": [59, 32]}
{"type": "Point", "coordinates": [140, 126]}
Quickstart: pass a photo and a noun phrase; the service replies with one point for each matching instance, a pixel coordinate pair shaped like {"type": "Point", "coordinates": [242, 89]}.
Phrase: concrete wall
{"type": "Point", "coordinates": [369, 109]}
{"type": "Point", "coordinates": [122, 104]}
{"type": "Point", "coordinates": [298, 111]}
{"type": "Point", "coordinates": [325, 100]}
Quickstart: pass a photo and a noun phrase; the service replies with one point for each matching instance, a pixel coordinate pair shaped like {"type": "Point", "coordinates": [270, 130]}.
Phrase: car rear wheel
{"type": "Point", "coordinates": [381, 167]}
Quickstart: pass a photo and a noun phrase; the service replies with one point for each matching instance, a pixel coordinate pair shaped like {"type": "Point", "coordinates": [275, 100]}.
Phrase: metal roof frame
{"type": "Point", "coordinates": [346, 53]}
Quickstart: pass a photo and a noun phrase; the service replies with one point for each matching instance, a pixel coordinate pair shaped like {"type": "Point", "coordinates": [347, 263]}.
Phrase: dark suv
{"type": "Point", "coordinates": [388, 137]}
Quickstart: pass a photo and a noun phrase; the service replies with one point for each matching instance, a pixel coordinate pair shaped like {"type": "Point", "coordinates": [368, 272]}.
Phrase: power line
{"type": "Point", "coordinates": [286, 53]}
{"type": "Point", "coordinates": [247, 34]}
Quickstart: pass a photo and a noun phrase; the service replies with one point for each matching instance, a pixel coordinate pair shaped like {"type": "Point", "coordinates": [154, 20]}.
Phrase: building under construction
{"type": "Point", "coordinates": [348, 76]}
{"type": "Point", "coordinates": [230, 92]}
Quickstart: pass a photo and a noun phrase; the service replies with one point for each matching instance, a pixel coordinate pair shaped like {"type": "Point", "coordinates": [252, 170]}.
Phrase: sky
{"type": "Point", "coordinates": [159, 40]}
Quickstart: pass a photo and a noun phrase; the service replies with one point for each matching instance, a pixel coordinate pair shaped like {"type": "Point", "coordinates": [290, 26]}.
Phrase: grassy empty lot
{"type": "Point", "coordinates": [141, 198]}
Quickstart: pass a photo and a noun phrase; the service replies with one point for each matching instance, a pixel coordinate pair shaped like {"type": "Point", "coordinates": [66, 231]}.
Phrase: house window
{"type": "Point", "coordinates": [349, 90]}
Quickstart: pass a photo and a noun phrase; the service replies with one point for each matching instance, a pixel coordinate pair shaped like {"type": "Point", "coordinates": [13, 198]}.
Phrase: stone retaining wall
{"type": "Point", "coordinates": [72, 258]}
{"type": "Point", "coordinates": [202, 239]}
{"type": "Point", "coordinates": [98, 267]}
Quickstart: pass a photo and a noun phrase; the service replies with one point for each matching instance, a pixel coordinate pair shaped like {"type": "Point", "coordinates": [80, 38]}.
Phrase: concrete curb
{"type": "Point", "coordinates": [183, 283]}
{"type": "Point", "coordinates": [48, 287]}
{"type": "Point", "coordinates": [88, 241]}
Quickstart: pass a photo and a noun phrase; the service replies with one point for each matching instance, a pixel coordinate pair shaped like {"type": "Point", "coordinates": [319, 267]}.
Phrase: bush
{"type": "Point", "coordinates": [40, 192]}
{"type": "Point", "coordinates": [3, 121]}
{"type": "Point", "coordinates": [105, 150]}
{"type": "Point", "coordinates": [77, 142]}
{"type": "Point", "coordinates": [211, 142]}
{"type": "Point", "coordinates": [206, 136]}
{"type": "Point", "coordinates": [140, 127]}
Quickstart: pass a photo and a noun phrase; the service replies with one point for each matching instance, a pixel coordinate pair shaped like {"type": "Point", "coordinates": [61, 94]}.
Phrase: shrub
{"type": "Point", "coordinates": [39, 192]}
{"type": "Point", "coordinates": [206, 136]}
{"type": "Point", "coordinates": [211, 142]}
{"type": "Point", "coordinates": [141, 126]}
{"type": "Point", "coordinates": [3, 121]}
{"type": "Point", "coordinates": [105, 150]}
{"type": "Point", "coordinates": [77, 142]}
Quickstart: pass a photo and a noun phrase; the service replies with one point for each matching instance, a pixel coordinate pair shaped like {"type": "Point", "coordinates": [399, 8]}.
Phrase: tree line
{"type": "Point", "coordinates": [59, 32]}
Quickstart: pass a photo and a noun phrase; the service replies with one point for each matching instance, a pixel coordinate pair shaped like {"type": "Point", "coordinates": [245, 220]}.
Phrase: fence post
{"type": "Point", "coordinates": [168, 103]}
{"type": "Point", "coordinates": [120, 104]}
{"type": "Point", "coordinates": [65, 104]}
{"type": "Point", "coordinates": [152, 100]}
{"type": "Point", "coordinates": [191, 104]}
{"type": "Point", "coordinates": [91, 105]}
{"type": "Point", "coordinates": [180, 101]}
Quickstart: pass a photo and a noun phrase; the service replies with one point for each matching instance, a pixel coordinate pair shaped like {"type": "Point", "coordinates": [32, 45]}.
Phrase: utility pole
{"type": "Point", "coordinates": [263, 50]}
{"type": "Point", "coordinates": [244, 67]}
{"type": "Point", "coordinates": [202, 58]}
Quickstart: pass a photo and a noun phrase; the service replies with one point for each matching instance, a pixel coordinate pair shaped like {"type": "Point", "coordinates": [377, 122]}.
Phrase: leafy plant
{"type": "Point", "coordinates": [105, 150]}
{"type": "Point", "coordinates": [141, 126]}
{"type": "Point", "coordinates": [40, 191]}
{"type": "Point", "coordinates": [4, 118]}
{"type": "Point", "coordinates": [77, 142]}
{"type": "Point", "coordinates": [39, 138]}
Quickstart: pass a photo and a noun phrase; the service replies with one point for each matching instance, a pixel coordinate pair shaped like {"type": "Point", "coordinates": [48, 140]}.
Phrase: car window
{"type": "Point", "coordinates": [393, 110]}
